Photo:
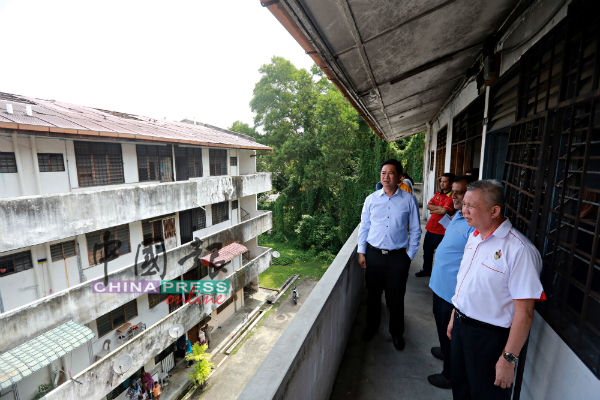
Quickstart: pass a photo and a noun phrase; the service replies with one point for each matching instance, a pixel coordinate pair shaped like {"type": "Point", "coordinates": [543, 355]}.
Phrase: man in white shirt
{"type": "Point", "coordinates": [497, 287]}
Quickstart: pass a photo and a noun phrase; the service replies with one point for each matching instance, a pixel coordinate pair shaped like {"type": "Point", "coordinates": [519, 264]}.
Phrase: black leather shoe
{"type": "Point", "coordinates": [438, 380]}
{"type": "Point", "coordinates": [398, 342]}
{"type": "Point", "coordinates": [437, 353]}
{"type": "Point", "coordinates": [368, 334]}
{"type": "Point", "coordinates": [422, 273]}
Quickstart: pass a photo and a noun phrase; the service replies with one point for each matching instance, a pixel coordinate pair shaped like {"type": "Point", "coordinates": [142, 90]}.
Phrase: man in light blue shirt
{"type": "Point", "coordinates": [388, 238]}
{"type": "Point", "coordinates": [443, 278]}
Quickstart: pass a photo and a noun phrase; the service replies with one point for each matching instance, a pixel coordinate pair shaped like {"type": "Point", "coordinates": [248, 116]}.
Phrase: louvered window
{"type": "Point", "coordinates": [8, 163]}
{"type": "Point", "coordinates": [233, 161]}
{"type": "Point", "coordinates": [440, 152]}
{"type": "Point", "coordinates": [234, 205]}
{"type": "Point", "coordinates": [116, 317]}
{"type": "Point", "coordinates": [220, 212]}
{"type": "Point", "coordinates": [63, 250]}
{"type": "Point", "coordinates": [152, 231]}
{"type": "Point", "coordinates": [218, 162]}
{"type": "Point", "coordinates": [467, 129]}
{"type": "Point", "coordinates": [188, 161]}
{"type": "Point", "coordinates": [155, 299]}
{"type": "Point", "coordinates": [99, 163]}
{"type": "Point", "coordinates": [51, 162]}
{"type": "Point", "coordinates": [155, 163]}
{"type": "Point", "coordinates": [116, 243]}
{"type": "Point", "coordinates": [14, 263]}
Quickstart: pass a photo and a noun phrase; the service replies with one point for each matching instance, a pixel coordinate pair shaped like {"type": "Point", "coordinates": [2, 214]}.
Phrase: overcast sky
{"type": "Point", "coordinates": [175, 59]}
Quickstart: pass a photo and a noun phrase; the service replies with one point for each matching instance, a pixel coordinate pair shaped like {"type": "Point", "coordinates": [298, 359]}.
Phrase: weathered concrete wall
{"type": "Point", "coordinates": [99, 378]}
{"type": "Point", "coordinates": [418, 192]}
{"type": "Point", "coordinates": [304, 362]}
{"type": "Point", "coordinates": [31, 220]}
{"type": "Point", "coordinates": [80, 304]}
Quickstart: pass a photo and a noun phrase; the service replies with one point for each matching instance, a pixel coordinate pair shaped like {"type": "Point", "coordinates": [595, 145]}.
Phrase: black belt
{"type": "Point", "coordinates": [386, 252]}
{"type": "Point", "coordinates": [463, 318]}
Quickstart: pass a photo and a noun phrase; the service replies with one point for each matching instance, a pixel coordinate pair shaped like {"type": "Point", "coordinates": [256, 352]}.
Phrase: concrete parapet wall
{"type": "Point", "coordinates": [31, 220]}
{"type": "Point", "coordinates": [99, 378]}
{"type": "Point", "coordinates": [304, 362]}
{"type": "Point", "coordinates": [81, 304]}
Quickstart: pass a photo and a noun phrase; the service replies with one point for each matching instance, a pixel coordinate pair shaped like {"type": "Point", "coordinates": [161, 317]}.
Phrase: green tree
{"type": "Point", "coordinates": [325, 160]}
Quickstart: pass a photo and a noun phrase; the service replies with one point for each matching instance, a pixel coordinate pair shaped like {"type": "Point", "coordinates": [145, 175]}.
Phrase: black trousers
{"type": "Point", "coordinates": [475, 352]}
{"type": "Point", "coordinates": [430, 243]}
{"type": "Point", "coordinates": [386, 273]}
{"type": "Point", "coordinates": [442, 311]}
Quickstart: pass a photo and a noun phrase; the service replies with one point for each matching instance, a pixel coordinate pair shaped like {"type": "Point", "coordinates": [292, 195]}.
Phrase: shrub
{"type": "Point", "coordinates": [279, 238]}
{"type": "Point", "coordinates": [203, 365]}
{"type": "Point", "coordinates": [284, 259]}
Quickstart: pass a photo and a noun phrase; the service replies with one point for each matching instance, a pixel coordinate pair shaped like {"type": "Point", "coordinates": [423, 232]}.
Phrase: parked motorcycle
{"type": "Point", "coordinates": [295, 295]}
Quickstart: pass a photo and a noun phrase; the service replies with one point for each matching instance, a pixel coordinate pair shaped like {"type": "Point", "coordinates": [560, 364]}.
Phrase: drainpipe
{"type": "Point", "coordinates": [36, 165]}
{"type": "Point", "coordinates": [37, 272]}
{"type": "Point", "coordinates": [426, 170]}
{"type": "Point", "coordinates": [51, 269]}
{"type": "Point", "coordinates": [19, 165]}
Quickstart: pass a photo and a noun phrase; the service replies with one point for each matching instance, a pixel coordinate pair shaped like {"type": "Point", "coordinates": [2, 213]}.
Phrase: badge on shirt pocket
{"type": "Point", "coordinates": [493, 272]}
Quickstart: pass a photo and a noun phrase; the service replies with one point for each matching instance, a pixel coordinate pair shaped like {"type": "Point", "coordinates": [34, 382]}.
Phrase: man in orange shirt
{"type": "Point", "coordinates": [440, 204]}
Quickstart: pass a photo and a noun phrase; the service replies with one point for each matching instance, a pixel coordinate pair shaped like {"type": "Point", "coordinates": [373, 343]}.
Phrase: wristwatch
{"type": "Point", "coordinates": [511, 358]}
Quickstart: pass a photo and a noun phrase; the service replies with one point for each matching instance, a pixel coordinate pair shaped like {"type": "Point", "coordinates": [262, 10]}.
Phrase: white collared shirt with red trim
{"type": "Point", "coordinates": [495, 271]}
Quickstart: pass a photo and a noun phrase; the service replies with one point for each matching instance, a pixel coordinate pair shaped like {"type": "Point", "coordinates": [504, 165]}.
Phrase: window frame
{"type": "Point", "coordinates": [116, 237]}
{"type": "Point", "coordinates": [217, 159]}
{"type": "Point", "coordinates": [233, 161]}
{"type": "Point", "coordinates": [110, 315]}
{"type": "Point", "coordinates": [22, 254]}
{"type": "Point", "coordinates": [113, 159]}
{"type": "Point", "coordinates": [45, 165]}
{"type": "Point", "coordinates": [62, 248]}
{"type": "Point", "coordinates": [8, 162]}
{"type": "Point", "coordinates": [220, 212]}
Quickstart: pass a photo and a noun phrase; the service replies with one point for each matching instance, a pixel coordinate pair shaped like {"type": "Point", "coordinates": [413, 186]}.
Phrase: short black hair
{"type": "Point", "coordinates": [474, 171]}
{"type": "Point", "coordinates": [393, 162]}
{"type": "Point", "coordinates": [466, 178]}
{"type": "Point", "coordinates": [448, 175]}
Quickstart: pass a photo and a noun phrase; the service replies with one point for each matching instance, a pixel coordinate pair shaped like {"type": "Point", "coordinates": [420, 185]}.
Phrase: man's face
{"type": "Point", "coordinates": [458, 193]}
{"type": "Point", "coordinates": [475, 210]}
{"type": "Point", "coordinates": [389, 176]}
{"type": "Point", "coordinates": [444, 183]}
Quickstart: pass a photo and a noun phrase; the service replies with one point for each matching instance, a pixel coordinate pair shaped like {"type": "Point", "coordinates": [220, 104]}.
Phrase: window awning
{"type": "Point", "coordinates": [224, 255]}
{"type": "Point", "coordinates": [37, 353]}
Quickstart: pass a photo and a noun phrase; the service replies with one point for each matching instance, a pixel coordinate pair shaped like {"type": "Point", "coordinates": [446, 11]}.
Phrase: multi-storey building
{"type": "Point", "coordinates": [86, 193]}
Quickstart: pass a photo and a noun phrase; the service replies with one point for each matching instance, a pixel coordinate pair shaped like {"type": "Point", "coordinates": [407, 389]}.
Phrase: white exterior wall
{"type": "Point", "coordinates": [9, 183]}
{"type": "Point", "coordinates": [53, 182]}
{"type": "Point", "coordinates": [246, 162]}
{"type": "Point", "coordinates": [130, 166]}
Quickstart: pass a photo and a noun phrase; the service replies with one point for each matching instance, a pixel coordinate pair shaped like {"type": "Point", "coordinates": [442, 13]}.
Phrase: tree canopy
{"type": "Point", "coordinates": [325, 160]}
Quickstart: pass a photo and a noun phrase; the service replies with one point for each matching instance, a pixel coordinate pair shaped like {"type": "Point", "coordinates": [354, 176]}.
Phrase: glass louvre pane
{"type": "Point", "coordinates": [56, 251]}
{"type": "Point", "coordinates": [8, 163]}
{"type": "Point", "coordinates": [123, 237]}
{"type": "Point", "coordinates": [69, 249]}
{"type": "Point", "coordinates": [131, 310]}
{"type": "Point", "coordinates": [118, 316]}
{"type": "Point", "coordinates": [220, 212]}
{"type": "Point", "coordinates": [7, 265]}
{"type": "Point", "coordinates": [94, 240]}
{"type": "Point", "coordinates": [157, 231]}
{"type": "Point", "coordinates": [44, 162]}
{"type": "Point", "coordinates": [56, 162]}
{"type": "Point", "coordinates": [234, 205]}
{"type": "Point", "coordinates": [198, 219]}
{"type": "Point", "coordinates": [22, 261]}
{"type": "Point", "coordinates": [147, 232]}
{"type": "Point", "coordinates": [233, 161]}
{"type": "Point", "coordinates": [104, 325]}
{"type": "Point", "coordinates": [218, 162]}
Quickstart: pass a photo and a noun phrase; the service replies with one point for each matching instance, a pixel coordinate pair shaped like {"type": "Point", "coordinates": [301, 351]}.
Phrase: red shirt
{"type": "Point", "coordinates": [443, 200]}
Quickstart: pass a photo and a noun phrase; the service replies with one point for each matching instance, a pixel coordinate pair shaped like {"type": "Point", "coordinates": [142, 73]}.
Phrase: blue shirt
{"type": "Point", "coordinates": [448, 256]}
{"type": "Point", "coordinates": [385, 222]}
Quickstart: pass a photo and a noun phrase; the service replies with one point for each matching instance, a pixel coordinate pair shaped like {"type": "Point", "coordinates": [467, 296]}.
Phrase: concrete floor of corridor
{"type": "Point", "coordinates": [375, 370]}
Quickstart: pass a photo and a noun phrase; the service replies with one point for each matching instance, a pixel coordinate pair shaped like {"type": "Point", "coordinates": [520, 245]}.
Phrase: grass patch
{"type": "Point", "coordinates": [302, 262]}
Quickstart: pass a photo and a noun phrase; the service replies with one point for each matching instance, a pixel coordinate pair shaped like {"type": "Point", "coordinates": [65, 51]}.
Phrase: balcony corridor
{"type": "Point", "coordinates": [375, 370]}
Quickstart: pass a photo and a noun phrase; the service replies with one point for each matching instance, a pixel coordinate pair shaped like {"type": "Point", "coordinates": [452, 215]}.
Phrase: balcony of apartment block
{"type": "Point", "coordinates": [31, 220]}
{"type": "Point", "coordinates": [320, 355]}
{"type": "Point", "coordinates": [99, 379]}
{"type": "Point", "coordinates": [80, 303]}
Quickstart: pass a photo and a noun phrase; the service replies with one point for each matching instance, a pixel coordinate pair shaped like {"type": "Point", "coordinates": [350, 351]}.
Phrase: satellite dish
{"type": "Point", "coordinates": [276, 254]}
{"type": "Point", "coordinates": [176, 331]}
{"type": "Point", "coordinates": [122, 364]}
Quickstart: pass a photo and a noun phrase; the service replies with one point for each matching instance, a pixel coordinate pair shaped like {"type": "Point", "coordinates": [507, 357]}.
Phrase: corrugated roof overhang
{"type": "Point", "coordinates": [30, 357]}
{"type": "Point", "coordinates": [396, 62]}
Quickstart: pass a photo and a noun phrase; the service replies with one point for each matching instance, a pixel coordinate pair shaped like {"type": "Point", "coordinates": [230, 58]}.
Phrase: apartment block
{"type": "Point", "coordinates": [88, 195]}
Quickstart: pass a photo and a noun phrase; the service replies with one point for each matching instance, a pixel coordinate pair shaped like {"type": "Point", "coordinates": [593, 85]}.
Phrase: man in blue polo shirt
{"type": "Point", "coordinates": [443, 278]}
